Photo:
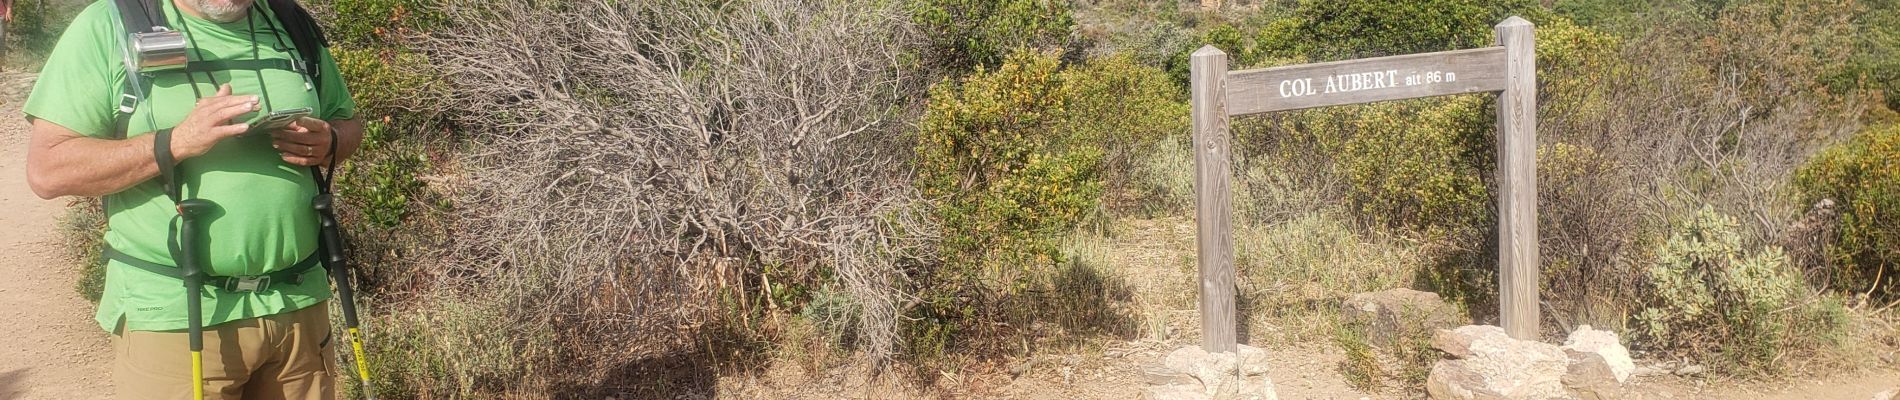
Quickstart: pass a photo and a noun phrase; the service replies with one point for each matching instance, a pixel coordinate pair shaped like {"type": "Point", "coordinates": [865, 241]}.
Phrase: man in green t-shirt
{"type": "Point", "coordinates": [265, 340]}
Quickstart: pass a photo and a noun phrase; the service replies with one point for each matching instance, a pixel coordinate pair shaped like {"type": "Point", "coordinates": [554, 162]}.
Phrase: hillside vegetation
{"type": "Point", "coordinates": [586, 198]}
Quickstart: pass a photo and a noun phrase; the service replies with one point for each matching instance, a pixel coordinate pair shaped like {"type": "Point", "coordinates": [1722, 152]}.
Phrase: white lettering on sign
{"type": "Point", "coordinates": [1344, 83]}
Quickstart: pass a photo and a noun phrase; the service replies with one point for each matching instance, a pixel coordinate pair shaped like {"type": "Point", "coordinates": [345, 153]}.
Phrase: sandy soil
{"type": "Point", "coordinates": [54, 350]}
{"type": "Point", "coordinates": [1160, 252]}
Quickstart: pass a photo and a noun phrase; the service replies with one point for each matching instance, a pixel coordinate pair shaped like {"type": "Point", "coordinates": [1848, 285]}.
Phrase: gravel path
{"type": "Point", "coordinates": [52, 350]}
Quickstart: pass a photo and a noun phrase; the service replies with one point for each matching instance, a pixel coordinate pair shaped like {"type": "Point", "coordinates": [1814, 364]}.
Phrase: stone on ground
{"type": "Point", "coordinates": [1604, 344]}
{"type": "Point", "coordinates": [1492, 365]}
{"type": "Point", "coordinates": [1390, 315]}
{"type": "Point", "coordinates": [1193, 373]}
{"type": "Point", "coordinates": [1590, 377]}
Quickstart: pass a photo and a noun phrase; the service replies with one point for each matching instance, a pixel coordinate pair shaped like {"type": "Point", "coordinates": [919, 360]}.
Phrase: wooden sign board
{"type": "Point", "coordinates": [1365, 81]}
{"type": "Point", "coordinates": [1508, 69]}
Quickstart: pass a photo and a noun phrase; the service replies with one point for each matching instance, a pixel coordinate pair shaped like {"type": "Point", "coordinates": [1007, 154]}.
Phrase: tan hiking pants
{"type": "Point", "coordinates": [283, 356]}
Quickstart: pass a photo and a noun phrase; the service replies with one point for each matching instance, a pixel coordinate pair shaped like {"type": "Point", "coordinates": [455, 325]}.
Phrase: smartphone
{"type": "Point", "coordinates": [277, 120]}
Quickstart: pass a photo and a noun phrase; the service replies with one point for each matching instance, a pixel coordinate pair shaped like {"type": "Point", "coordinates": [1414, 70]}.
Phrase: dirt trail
{"type": "Point", "coordinates": [52, 349]}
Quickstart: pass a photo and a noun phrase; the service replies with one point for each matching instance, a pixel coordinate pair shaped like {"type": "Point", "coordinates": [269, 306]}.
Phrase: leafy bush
{"type": "Point", "coordinates": [1016, 158]}
{"type": "Point", "coordinates": [1000, 149]}
{"type": "Point", "coordinates": [982, 32]}
{"type": "Point", "coordinates": [1863, 176]}
{"type": "Point", "coordinates": [1736, 309]}
{"type": "Point", "coordinates": [380, 180]}
{"type": "Point", "coordinates": [387, 81]}
{"type": "Point", "coordinates": [1723, 124]}
{"type": "Point", "coordinates": [377, 23]}
{"type": "Point", "coordinates": [82, 231]}
{"type": "Point", "coordinates": [36, 26]}
{"type": "Point", "coordinates": [1877, 59]}
{"type": "Point", "coordinates": [1363, 28]}
{"type": "Point", "coordinates": [1416, 164]}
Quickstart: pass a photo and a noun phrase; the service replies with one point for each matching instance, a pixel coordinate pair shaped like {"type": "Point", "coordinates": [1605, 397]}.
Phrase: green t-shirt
{"type": "Point", "coordinates": [263, 221]}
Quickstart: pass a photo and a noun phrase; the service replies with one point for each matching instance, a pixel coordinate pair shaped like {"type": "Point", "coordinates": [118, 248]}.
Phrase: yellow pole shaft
{"type": "Point", "coordinates": [197, 375]}
{"type": "Point", "coordinates": [362, 364]}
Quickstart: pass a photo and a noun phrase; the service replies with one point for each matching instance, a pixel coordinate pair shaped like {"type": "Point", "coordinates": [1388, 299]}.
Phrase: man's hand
{"type": "Point", "coordinates": [306, 142]}
{"type": "Point", "coordinates": [210, 123]}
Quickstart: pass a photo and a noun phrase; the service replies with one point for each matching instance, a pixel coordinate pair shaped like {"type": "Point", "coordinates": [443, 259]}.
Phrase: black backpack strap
{"type": "Point", "coordinates": [142, 16]}
{"type": "Point", "coordinates": [243, 65]}
{"type": "Point", "coordinates": [305, 35]}
{"type": "Point", "coordinates": [128, 102]}
{"type": "Point", "coordinates": [138, 16]}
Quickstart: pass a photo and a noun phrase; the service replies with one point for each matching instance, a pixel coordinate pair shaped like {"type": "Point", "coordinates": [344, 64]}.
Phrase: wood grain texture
{"type": "Point", "coordinates": [1213, 210]}
{"type": "Point", "coordinates": [1261, 90]}
{"type": "Point", "coordinates": [1517, 182]}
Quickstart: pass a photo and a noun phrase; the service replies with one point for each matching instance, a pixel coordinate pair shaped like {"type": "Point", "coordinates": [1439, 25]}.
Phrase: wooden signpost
{"type": "Point", "coordinates": [1508, 69]}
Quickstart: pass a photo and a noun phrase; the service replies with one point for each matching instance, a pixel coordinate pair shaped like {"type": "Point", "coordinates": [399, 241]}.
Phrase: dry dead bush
{"type": "Point", "coordinates": [1632, 141]}
{"type": "Point", "coordinates": [669, 166]}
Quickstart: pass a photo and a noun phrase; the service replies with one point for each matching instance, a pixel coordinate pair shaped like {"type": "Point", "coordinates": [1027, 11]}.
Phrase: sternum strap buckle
{"type": "Point", "coordinates": [240, 284]}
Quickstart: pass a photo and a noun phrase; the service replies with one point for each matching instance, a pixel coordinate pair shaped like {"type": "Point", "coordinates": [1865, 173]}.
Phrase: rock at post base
{"type": "Point", "coordinates": [1193, 373]}
{"type": "Point", "coordinates": [1388, 316]}
{"type": "Point", "coordinates": [1492, 365]}
{"type": "Point", "coordinates": [1590, 377]}
{"type": "Point", "coordinates": [1604, 344]}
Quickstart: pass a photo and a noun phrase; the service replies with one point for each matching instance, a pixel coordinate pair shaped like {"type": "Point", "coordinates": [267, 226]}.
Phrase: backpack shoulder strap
{"type": "Point", "coordinates": [305, 34]}
{"type": "Point", "coordinates": [141, 16]}
{"type": "Point", "coordinates": [138, 16]}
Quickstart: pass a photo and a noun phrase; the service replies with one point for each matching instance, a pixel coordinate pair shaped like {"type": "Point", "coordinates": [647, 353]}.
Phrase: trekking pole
{"type": "Point", "coordinates": [188, 268]}
{"type": "Point", "coordinates": [339, 266]}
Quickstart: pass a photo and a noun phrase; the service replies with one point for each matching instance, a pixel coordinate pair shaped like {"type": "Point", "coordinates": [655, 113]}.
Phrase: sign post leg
{"type": "Point", "coordinates": [1213, 209]}
{"type": "Point", "coordinates": [1517, 182]}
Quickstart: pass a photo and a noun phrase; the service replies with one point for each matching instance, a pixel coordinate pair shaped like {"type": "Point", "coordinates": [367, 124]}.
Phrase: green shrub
{"type": "Point", "coordinates": [377, 23]}
{"type": "Point", "coordinates": [1863, 177]}
{"type": "Point", "coordinates": [384, 82]}
{"type": "Point", "coordinates": [1269, 45]}
{"type": "Point", "coordinates": [1326, 30]}
{"type": "Point", "coordinates": [1738, 310]}
{"type": "Point", "coordinates": [36, 26]}
{"type": "Point", "coordinates": [1126, 109]}
{"type": "Point", "coordinates": [1406, 362]}
{"type": "Point", "coordinates": [982, 32]}
{"type": "Point", "coordinates": [1015, 158]}
{"type": "Point", "coordinates": [82, 231]}
{"type": "Point", "coordinates": [473, 342]}
{"type": "Point", "coordinates": [1363, 28]}
{"type": "Point", "coordinates": [1416, 164]}
{"type": "Point", "coordinates": [1878, 56]}
{"type": "Point", "coordinates": [995, 147]}
{"type": "Point", "coordinates": [380, 180]}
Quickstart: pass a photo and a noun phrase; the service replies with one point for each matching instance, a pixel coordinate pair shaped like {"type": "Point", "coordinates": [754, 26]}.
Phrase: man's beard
{"type": "Point", "coordinates": [222, 10]}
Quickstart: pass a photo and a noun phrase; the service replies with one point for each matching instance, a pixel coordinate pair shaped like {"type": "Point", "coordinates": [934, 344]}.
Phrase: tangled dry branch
{"type": "Point", "coordinates": [659, 159]}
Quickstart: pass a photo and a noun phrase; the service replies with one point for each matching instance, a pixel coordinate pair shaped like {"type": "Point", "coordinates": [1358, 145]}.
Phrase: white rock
{"type": "Point", "coordinates": [1890, 394]}
{"type": "Point", "coordinates": [1253, 360]}
{"type": "Point", "coordinates": [1498, 367]}
{"type": "Point", "coordinates": [1389, 315]}
{"type": "Point", "coordinates": [1589, 376]}
{"type": "Point", "coordinates": [1606, 344]}
{"type": "Point", "coordinates": [1185, 359]}
{"type": "Point", "coordinates": [1220, 375]}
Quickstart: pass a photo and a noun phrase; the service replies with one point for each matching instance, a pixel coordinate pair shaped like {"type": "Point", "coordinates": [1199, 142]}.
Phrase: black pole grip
{"type": "Point", "coordinates": [190, 269]}
{"type": "Point", "coordinates": [331, 236]}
